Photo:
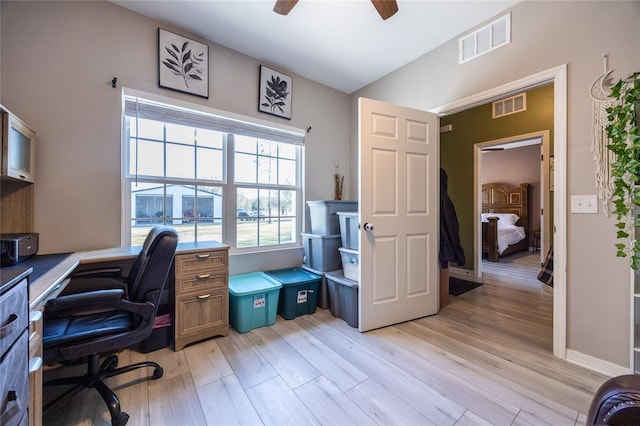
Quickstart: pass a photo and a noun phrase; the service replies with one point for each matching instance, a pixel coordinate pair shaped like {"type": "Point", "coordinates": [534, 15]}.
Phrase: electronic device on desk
{"type": "Point", "coordinates": [15, 248]}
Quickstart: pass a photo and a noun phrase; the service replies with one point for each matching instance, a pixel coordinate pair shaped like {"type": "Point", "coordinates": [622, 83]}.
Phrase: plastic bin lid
{"type": "Point", "coordinates": [347, 213]}
{"type": "Point", "coordinates": [327, 202]}
{"type": "Point", "coordinates": [315, 271]}
{"type": "Point", "coordinates": [252, 283]}
{"type": "Point", "coordinates": [348, 251]}
{"type": "Point", "coordinates": [338, 276]}
{"type": "Point", "coordinates": [293, 276]}
{"type": "Point", "coordinates": [316, 236]}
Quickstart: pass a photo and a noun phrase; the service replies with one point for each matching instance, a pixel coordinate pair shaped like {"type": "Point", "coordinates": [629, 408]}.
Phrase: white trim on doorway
{"type": "Point", "coordinates": [557, 76]}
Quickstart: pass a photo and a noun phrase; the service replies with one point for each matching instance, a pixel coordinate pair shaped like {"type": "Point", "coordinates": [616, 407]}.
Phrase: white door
{"type": "Point", "coordinates": [399, 222]}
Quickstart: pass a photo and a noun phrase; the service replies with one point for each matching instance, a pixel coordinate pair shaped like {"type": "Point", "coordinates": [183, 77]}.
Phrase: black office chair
{"type": "Point", "coordinates": [95, 323]}
{"type": "Point", "coordinates": [616, 402]}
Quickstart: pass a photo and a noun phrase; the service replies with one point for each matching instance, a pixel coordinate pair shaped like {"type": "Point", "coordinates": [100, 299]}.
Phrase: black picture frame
{"type": "Point", "coordinates": [275, 93]}
{"type": "Point", "coordinates": [183, 64]}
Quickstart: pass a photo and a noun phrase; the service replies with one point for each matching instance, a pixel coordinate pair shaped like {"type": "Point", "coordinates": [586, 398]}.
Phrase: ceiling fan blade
{"type": "Point", "coordinates": [386, 8]}
{"type": "Point", "coordinates": [283, 7]}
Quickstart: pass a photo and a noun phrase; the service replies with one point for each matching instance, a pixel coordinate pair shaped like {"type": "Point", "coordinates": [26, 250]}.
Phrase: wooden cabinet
{"type": "Point", "coordinates": [201, 295]}
{"type": "Point", "coordinates": [14, 352]}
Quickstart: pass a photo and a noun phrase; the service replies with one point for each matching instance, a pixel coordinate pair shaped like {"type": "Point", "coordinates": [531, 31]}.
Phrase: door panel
{"type": "Point", "coordinates": [398, 193]}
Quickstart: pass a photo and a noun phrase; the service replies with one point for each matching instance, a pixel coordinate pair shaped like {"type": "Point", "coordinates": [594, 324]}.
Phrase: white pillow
{"type": "Point", "coordinates": [506, 219]}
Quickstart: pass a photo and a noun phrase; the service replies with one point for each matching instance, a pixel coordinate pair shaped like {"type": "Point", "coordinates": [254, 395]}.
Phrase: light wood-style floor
{"type": "Point", "coordinates": [486, 358]}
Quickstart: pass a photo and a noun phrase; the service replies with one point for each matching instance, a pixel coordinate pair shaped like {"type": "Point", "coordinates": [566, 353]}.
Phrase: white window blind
{"type": "Point", "coordinates": [144, 108]}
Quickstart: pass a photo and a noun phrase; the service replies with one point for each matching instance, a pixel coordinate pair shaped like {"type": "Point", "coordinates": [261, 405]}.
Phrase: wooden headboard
{"type": "Point", "coordinates": [501, 198]}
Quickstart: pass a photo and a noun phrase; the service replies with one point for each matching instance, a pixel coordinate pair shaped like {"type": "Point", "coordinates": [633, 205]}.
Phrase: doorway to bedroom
{"type": "Point", "coordinates": [514, 185]}
{"type": "Point", "coordinates": [469, 137]}
{"type": "Point", "coordinates": [520, 164]}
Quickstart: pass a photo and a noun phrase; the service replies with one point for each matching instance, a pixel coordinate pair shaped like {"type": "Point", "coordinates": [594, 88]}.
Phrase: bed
{"type": "Point", "coordinates": [505, 219]}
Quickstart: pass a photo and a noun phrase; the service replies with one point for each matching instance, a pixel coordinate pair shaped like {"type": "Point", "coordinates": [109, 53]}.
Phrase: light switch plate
{"type": "Point", "coordinates": [584, 204]}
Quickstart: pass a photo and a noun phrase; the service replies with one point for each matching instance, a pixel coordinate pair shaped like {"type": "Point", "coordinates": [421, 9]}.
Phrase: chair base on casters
{"type": "Point", "coordinates": [96, 374]}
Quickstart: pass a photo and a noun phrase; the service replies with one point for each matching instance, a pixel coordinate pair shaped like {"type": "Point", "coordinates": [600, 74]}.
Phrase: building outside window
{"type": "Point", "coordinates": [212, 178]}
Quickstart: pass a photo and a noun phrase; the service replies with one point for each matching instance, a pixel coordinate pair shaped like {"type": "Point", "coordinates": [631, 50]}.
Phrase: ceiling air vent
{"type": "Point", "coordinates": [485, 39]}
{"type": "Point", "coordinates": [506, 106]}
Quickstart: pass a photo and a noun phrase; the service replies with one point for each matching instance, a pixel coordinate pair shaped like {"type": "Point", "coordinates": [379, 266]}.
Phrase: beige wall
{"type": "Point", "coordinates": [57, 61]}
{"type": "Point", "coordinates": [546, 35]}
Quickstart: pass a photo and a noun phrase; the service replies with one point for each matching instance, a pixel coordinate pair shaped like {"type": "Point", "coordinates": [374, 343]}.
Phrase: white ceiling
{"type": "Point", "coordinates": [342, 44]}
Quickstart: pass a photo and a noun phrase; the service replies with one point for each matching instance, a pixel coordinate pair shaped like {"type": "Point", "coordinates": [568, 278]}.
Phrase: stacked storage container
{"type": "Point", "coordinates": [344, 285]}
{"type": "Point", "coordinates": [321, 245]}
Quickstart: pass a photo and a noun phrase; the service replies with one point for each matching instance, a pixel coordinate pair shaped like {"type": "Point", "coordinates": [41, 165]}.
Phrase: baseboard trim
{"type": "Point", "coordinates": [596, 364]}
{"type": "Point", "coordinates": [464, 274]}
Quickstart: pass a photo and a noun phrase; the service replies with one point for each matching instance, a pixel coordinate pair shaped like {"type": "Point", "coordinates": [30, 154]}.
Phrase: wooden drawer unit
{"type": "Point", "coordinates": [14, 354]}
{"type": "Point", "coordinates": [201, 295]}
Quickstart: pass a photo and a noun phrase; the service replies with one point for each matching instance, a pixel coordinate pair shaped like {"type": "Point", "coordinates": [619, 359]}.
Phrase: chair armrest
{"type": "Point", "coordinates": [86, 299]}
{"type": "Point", "coordinates": [97, 301]}
{"type": "Point", "coordinates": [100, 272]}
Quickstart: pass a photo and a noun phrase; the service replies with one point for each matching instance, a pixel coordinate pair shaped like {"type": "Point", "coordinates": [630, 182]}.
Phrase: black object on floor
{"type": "Point", "coordinates": [458, 286]}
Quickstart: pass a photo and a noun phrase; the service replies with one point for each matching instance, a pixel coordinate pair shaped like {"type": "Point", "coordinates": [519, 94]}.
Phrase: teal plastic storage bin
{"type": "Point", "coordinates": [299, 292]}
{"type": "Point", "coordinates": [253, 301]}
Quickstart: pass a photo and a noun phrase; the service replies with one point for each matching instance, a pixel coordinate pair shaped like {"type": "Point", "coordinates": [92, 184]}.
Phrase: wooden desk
{"type": "Point", "coordinates": [214, 309]}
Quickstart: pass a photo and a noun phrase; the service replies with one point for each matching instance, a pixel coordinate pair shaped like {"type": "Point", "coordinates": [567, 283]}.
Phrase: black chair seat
{"type": "Point", "coordinates": [59, 331]}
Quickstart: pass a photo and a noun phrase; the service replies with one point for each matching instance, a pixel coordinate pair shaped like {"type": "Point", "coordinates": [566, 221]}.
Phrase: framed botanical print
{"type": "Point", "coordinates": [275, 93]}
{"type": "Point", "coordinates": [183, 64]}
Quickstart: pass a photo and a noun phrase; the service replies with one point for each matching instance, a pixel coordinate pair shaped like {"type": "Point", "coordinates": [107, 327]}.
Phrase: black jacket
{"type": "Point", "coordinates": [450, 248]}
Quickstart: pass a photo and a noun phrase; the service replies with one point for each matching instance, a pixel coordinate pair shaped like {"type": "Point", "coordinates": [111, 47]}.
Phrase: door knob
{"type": "Point", "coordinates": [368, 227]}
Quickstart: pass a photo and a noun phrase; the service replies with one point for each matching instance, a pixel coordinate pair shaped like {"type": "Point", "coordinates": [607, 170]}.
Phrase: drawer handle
{"type": "Point", "coordinates": [10, 327]}
{"type": "Point", "coordinates": [203, 276]}
{"type": "Point", "coordinates": [35, 316]}
{"type": "Point", "coordinates": [204, 256]}
{"type": "Point", "coordinates": [35, 364]}
{"type": "Point", "coordinates": [13, 407]}
{"type": "Point", "coordinates": [204, 296]}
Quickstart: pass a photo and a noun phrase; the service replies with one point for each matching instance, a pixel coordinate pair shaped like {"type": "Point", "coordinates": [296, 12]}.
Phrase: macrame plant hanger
{"type": "Point", "coordinates": [603, 156]}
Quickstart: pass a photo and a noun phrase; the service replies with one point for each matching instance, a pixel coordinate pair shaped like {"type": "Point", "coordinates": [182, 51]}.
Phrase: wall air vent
{"type": "Point", "coordinates": [506, 106]}
{"type": "Point", "coordinates": [485, 39]}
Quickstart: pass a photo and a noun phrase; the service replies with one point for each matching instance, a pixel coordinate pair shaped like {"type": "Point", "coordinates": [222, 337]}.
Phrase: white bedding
{"type": "Point", "coordinates": [509, 234]}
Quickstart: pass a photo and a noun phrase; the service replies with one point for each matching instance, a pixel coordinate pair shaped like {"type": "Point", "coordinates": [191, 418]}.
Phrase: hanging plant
{"type": "Point", "coordinates": [622, 130]}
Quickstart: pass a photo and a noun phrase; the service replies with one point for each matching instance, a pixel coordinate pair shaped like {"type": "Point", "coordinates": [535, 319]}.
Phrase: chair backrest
{"type": "Point", "coordinates": [151, 268]}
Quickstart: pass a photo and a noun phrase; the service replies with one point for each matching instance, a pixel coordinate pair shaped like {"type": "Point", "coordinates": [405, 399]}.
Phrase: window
{"type": "Point", "coordinates": [210, 177]}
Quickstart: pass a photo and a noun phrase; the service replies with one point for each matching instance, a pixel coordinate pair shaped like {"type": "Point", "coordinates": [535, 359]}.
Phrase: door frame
{"type": "Point", "coordinates": [557, 76]}
{"type": "Point", "coordinates": [545, 223]}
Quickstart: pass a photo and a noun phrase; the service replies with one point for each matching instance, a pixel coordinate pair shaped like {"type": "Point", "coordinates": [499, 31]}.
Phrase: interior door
{"type": "Point", "coordinates": [399, 222]}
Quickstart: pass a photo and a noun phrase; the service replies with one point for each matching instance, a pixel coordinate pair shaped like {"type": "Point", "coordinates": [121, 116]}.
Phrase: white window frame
{"type": "Point", "coordinates": [228, 186]}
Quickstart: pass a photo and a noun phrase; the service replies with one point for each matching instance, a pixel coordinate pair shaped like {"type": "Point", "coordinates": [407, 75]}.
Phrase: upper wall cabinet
{"type": "Point", "coordinates": [18, 148]}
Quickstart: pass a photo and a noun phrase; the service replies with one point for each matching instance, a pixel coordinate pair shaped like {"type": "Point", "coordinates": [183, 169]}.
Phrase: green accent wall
{"type": "Point", "coordinates": [476, 125]}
